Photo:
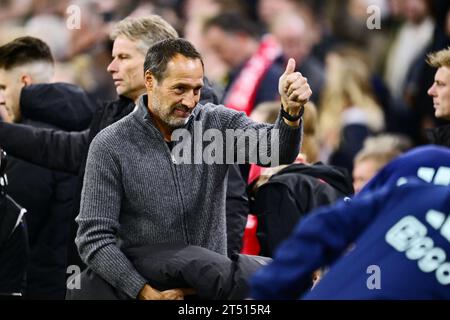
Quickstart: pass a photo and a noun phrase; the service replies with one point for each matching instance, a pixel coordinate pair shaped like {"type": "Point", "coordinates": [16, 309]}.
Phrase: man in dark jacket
{"type": "Point", "coordinates": [46, 194]}
{"type": "Point", "coordinates": [440, 91]}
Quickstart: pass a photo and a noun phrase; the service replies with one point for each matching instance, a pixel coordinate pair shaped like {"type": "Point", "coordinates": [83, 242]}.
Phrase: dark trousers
{"type": "Point", "coordinates": [167, 266]}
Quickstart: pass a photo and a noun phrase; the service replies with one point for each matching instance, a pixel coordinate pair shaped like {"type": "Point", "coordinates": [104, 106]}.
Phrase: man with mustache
{"type": "Point", "coordinates": [135, 193]}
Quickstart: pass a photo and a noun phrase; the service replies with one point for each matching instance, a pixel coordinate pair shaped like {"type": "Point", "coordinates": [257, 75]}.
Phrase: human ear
{"type": "Point", "coordinates": [25, 80]}
{"type": "Point", "coordinates": [149, 81]}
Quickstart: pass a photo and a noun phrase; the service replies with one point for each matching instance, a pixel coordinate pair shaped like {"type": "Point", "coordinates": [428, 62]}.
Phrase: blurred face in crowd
{"type": "Point", "coordinates": [126, 68]}
{"type": "Point", "coordinates": [440, 91]}
{"type": "Point", "coordinates": [11, 83]}
{"type": "Point", "coordinates": [268, 9]}
{"type": "Point", "coordinates": [174, 97]}
{"type": "Point", "coordinates": [292, 36]}
{"type": "Point", "coordinates": [414, 10]}
{"type": "Point", "coordinates": [229, 47]}
{"type": "Point", "coordinates": [363, 171]}
{"type": "Point", "coordinates": [395, 7]}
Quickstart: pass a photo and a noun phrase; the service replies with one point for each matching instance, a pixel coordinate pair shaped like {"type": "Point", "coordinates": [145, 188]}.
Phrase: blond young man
{"type": "Point", "coordinates": [440, 91]}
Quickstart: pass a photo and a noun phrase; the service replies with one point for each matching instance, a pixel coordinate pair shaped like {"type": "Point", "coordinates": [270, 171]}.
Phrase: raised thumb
{"type": "Point", "coordinates": [290, 68]}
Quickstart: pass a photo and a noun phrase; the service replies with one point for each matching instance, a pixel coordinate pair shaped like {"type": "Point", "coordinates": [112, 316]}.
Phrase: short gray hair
{"type": "Point", "coordinates": [147, 30]}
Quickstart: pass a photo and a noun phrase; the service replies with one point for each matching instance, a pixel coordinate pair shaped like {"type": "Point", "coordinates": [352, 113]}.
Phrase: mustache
{"type": "Point", "coordinates": [182, 107]}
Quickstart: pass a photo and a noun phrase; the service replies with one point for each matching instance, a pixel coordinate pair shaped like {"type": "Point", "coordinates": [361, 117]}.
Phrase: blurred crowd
{"type": "Point", "coordinates": [363, 66]}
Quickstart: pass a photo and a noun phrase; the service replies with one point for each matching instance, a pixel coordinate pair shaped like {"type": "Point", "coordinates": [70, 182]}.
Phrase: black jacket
{"type": "Point", "coordinates": [14, 250]}
{"type": "Point", "coordinates": [48, 197]}
{"type": "Point", "coordinates": [46, 194]}
{"type": "Point", "coordinates": [290, 194]}
{"type": "Point", "coordinates": [439, 135]}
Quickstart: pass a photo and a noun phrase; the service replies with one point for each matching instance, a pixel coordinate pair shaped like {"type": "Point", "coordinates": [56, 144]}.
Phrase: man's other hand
{"type": "Point", "coordinates": [149, 293]}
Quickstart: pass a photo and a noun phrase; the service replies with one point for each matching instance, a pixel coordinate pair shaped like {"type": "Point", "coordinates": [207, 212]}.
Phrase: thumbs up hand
{"type": "Point", "coordinates": [294, 89]}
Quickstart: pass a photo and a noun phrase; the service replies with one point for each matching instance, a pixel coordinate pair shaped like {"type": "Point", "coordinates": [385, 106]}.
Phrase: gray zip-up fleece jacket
{"type": "Point", "coordinates": [134, 194]}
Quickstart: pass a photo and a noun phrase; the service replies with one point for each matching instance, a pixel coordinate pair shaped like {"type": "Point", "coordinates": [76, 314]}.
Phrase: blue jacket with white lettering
{"type": "Point", "coordinates": [400, 237]}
